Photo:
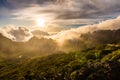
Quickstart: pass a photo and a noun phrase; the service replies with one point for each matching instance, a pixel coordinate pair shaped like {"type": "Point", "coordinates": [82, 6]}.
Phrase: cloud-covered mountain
{"type": "Point", "coordinates": [112, 24]}
{"type": "Point", "coordinates": [21, 34]}
{"type": "Point", "coordinates": [41, 42]}
{"type": "Point", "coordinates": [25, 33]}
{"type": "Point", "coordinates": [33, 47]}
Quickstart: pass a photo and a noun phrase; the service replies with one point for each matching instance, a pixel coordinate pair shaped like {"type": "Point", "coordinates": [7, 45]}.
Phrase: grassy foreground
{"type": "Point", "coordinates": [99, 63]}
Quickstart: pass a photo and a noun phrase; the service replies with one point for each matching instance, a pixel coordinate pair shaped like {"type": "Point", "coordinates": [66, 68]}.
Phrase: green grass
{"type": "Point", "coordinates": [100, 63]}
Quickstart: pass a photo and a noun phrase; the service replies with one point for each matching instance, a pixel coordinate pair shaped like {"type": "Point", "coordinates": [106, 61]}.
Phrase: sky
{"type": "Point", "coordinates": [59, 13]}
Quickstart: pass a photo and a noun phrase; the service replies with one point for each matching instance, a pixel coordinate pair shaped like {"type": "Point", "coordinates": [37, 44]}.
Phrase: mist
{"type": "Point", "coordinates": [22, 41]}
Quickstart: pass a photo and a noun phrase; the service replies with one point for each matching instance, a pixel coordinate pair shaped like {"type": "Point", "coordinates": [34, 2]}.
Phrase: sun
{"type": "Point", "coordinates": [40, 22]}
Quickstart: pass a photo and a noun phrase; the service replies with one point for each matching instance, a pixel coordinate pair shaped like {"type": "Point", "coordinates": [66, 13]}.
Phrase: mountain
{"type": "Point", "coordinates": [99, 63]}
{"type": "Point", "coordinates": [33, 47]}
{"type": "Point", "coordinates": [44, 46]}
{"type": "Point", "coordinates": [92, 56]}
{"type": "Point", "coordinates": [92, 39]}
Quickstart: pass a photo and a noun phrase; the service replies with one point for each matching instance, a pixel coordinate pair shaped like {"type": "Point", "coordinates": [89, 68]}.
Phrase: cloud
{"type": "Point", "coordinates": [59, 15]}
{"type": "Point", "coordinates": [41, 42]}
{"type": "Point", "coordinates": [72, 39]}
{"type": "Point", "coordinates": [60, 10]}
{"type": "Point", "coordinates": [90, 9]}
{"type": "Point", "coordinates": [16, 33]}
{"type": "Point", "coordinates": [89, 36]}
{"type": "Point", "coordinates": [40, 33]}
{"type": "Point", "coordinates": [55, 10]}
{"type": "Point", "coordinates": [111, 24]}
{"type": "Point", "coordinates": [21, 34]}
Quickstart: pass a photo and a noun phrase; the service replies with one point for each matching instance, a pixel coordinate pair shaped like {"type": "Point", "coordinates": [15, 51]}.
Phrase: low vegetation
{"type": "Point", "coordinates": [99, 63]}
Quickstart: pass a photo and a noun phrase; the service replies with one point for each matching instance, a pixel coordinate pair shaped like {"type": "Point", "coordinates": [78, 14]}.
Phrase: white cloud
{"type": "Point", "coordinates": [69, 40]}
{"type": "Point", "coordinates": [19, 33]}
{"type": "Point", "coordinates": [75, 33]}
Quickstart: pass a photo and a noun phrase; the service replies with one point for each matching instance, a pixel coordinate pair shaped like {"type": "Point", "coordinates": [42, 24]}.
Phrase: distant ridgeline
{"type": "Point", "coordinates": [44, 46]}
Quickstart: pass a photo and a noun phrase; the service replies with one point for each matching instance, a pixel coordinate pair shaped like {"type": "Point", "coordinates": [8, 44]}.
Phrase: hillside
{"type": "Point", "coordinates": [92, 56]}
{"type": "Point", "coordinates": [44, 46]}
{"type": "Point", "coordinates": [99, 63]}
{"type": "Point", "coordinates": [32, 48]}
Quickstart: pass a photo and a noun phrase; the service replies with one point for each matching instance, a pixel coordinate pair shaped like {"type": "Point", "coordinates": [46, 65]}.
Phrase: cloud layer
{"type": "Point", "coordinates": [29, 42]}
{"type": "Point", "coordinates": [111, 24]}
{"type": "Point", "coordinates": [69, 40]}
{"type": "Point", "coordinates": [20, 33]}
